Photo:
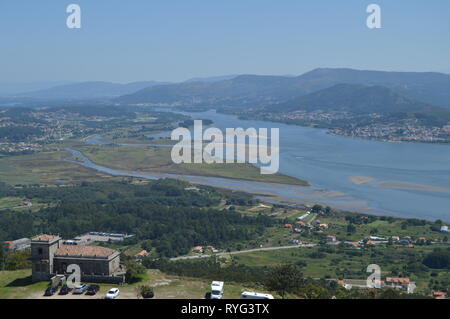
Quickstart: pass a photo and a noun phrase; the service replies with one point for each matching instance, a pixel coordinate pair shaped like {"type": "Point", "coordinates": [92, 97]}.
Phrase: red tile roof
{"type": "Point", "coordinates": [83, 251]}
{"type": "Point", "coordinates": [402, 281]}
{"type": "Point", "coordinates": [8, 244]}
{"type": "Point", "coordinates": [142, 253]}
{"type": "Point", "coordinates": [438, 295]}
{"type": "Point", "coordinates": [352, 243]}
{"type": "Point", "coordinates": [44, 237]}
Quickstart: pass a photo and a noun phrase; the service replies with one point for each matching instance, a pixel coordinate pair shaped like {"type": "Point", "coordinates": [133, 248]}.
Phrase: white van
{"type": "Point", "coordinates": [217, 289]}
{"type": "Point", "coordinates": [255, 295]}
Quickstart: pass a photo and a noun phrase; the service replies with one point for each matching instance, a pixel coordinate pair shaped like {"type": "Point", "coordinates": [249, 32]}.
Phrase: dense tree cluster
{"type": "Point", "coordinates": [188, 123]}
{"type": "Point", "coordinates": [18, 133]}
{"type": "Point", "coordinates": [360, 219]}
{"type": "Point", "coordinates": [438, 259]}
{"type": "Point", "coordinates": [166, 213]}
{"type": "Point", "coordinates": [14, 260]}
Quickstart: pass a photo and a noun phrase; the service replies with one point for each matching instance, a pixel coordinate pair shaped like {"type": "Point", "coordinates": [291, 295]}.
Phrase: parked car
{"type": "Point", "coordinates": [92, 290]}
{"type": "Point", "coordinates": [80, 289]}
{"type": "Point", "coordinates": [255, 295]}
{"type": "Point", "coordinates": [65, 290]}
{"type": "Point", "coordinates": [113, 293]}
{"type": "Point", "coordinates": [50, 291]}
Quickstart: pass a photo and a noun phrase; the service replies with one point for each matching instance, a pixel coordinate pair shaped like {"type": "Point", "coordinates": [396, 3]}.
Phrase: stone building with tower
{"type": "Point", "coordinates": [50, 257]}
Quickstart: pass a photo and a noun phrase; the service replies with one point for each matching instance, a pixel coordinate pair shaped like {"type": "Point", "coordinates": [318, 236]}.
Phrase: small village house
{"type": "Point", "coordinates": [141, 255]}
{"type": "Point", "coordinates": [438, 295]}
{"type": "Point", "coordinates": [351, 244]}
{"type": "Point", "coordinates": [331, 238]}
{"type": "Point", "coordinates": [197, 249]}
{"type": "Point", "coordinates": [19, 244]}
{"type": "Point", "coordinates": [398, 283]}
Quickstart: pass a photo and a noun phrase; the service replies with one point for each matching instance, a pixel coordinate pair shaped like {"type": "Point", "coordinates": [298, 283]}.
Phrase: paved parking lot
{"type": "Point", "coordinates": [99, 295]}
{"type": "Point", "coordinates": [88, 239]}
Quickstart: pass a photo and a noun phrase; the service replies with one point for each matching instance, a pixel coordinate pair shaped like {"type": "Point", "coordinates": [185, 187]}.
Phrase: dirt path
{"type": "Point", "coordinates": [243, 252]}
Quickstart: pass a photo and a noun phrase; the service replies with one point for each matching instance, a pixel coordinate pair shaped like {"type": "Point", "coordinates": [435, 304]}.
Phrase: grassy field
{"type": "Point", "coordinates": [50, 168]}
{"type": "Point", "coordinates": [17, 285]}
{"type": "Point", "coordinates": [337, 262]}
{"type": "Point", "coordinates": [156, 159]}
{"type": "Point", "coordinates": [278, 236]}
{"type": "Point", "coordinates": [10, 202]}
{"type": "Point", "coordinates": [20, 204]}
{"type": "Point", "coordinates": [45, 168]}
{"type": "Point", "coordinates": [337, 224]}
{"type": "Point", "coordinates": [349, 263]}
{"type": "Point", "coordinates": [138, 140]}
{"type": "Point", "coordinates": [380, 228]}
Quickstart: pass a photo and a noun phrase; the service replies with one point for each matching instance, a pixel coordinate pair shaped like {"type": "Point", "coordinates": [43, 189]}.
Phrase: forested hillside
{"type": "Point", "coordinates": [167, 213]}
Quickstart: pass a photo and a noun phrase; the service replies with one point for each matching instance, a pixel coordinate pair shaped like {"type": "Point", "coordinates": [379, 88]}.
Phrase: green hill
{"type": "Point", "coordinates": [353, 98]}
{"type": "Point", "coordinates": [365, 100]}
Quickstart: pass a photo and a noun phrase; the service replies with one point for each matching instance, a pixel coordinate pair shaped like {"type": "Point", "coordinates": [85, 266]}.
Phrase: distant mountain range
{"type": "Point", "coordinates": [8, 89]}
{"type": "Point", "coordinates": [212, 79]}
{"type": "Point", "coordinates": [256, 90]}
{"type": "Point", "coordinates": [429, 87]}
{"type": "Point", "coordinates": [88, 90]}
{"type": "Point", "coordinates": [244, 91]}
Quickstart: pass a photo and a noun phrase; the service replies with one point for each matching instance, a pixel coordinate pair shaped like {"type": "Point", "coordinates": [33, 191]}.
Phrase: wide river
{"type": "Point", "coordinates": [400, 179]}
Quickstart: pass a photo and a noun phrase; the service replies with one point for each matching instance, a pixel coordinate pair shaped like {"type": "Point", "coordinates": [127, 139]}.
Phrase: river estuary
{"type": "Point", "coordinates": [398, 179]}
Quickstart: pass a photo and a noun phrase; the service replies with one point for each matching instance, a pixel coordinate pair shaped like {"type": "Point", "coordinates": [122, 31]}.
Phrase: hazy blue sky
{"type": "Point", "coordinates": [178, 39]}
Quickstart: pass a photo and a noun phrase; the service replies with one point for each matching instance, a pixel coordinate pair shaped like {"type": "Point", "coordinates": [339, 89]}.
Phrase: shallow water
{"type": "Point", "coordinates": [401, 179]}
